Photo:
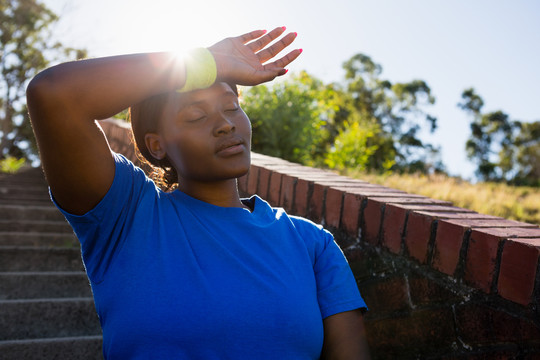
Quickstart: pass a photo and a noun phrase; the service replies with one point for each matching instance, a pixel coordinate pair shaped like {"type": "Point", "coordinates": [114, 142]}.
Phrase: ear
{"type": "Point", "coordinates": [154, 145]}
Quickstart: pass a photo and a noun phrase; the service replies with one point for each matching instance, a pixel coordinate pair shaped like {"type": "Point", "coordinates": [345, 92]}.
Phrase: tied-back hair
{"type": "Point", "coordinates": [145, 118]}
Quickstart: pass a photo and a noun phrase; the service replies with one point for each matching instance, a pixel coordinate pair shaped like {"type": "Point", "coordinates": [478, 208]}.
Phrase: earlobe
{"type": "Point", "coordinates": [154, 145]}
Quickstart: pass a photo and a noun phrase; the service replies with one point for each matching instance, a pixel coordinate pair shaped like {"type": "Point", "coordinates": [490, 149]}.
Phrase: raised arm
{"type": "Point", "coordinates": [64, 101]}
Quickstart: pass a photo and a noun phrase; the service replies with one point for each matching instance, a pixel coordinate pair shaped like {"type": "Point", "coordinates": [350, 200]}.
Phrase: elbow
{"type": "Point", "coordinates": [43, 95]}
{"type": "Point", "coordinates": [38, 89]}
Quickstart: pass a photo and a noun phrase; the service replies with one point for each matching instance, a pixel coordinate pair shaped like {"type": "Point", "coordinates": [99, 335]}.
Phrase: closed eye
{"type": "Point", "coordinates": [195, 119]}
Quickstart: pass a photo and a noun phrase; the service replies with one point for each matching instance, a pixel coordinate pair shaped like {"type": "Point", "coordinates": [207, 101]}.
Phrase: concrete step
{"type": "Point", "coordinates": [40, 239]}
{"type": "Point", "coordinates": [29, 258]}
{"type": "Point", "coordinates": [37, 285]}
{"type": "Point", "coordinates": [35, 226]}
{"type": "Point", "coordinates": [26, 197]}
{"type": "Point", "coordinates": [18, 188]}
{"type": "Point", "coordinates": [23, 180]}
{"type": "Point", "coordinates": [48, 318]}
{"type": "Point", "coordinates": [82, 347]}
{"type": "Point", "coordinates": [22, 212]}
{"type": "Point", "coordinates": [27, 202]}
{"type": "Point", "coordinates": [19, 191]}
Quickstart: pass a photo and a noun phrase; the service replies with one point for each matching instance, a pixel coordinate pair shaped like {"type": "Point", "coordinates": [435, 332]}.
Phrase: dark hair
{"type": "Point", "coordinates": [145, 118]}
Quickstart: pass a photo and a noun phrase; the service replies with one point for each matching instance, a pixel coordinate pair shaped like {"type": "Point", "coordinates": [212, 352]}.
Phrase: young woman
{"type": "Point", "coordinates": [194, 273]}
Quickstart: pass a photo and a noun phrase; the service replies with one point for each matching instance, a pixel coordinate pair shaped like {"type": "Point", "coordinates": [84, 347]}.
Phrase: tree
{"type": "Point", "coordinates": [356, 147]}
{"type": "Point", "coordinates": [25, 49]}
{"type": "Point", "coordinates": [503, 149]}
{"type": "Point", "coordinates": [290, 118]}
{"type": "Point", "coordinates": [397, 109]}
{"type": "Point", "coordinates": [367, 123]}
{"type": "Point", "coordinates": [527, 154]}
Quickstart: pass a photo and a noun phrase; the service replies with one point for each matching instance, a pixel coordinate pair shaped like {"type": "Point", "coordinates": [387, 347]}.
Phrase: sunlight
{"type": "Point", "coordinates": [174, 25]}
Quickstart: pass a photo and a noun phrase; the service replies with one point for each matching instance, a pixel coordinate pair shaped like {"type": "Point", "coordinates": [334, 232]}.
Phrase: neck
{"type": "Point", "coordinates": [220, 193]}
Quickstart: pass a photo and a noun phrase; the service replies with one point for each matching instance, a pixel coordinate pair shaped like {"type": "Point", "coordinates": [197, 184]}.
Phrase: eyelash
{"type": "Point", "coordinates": [236, 108]}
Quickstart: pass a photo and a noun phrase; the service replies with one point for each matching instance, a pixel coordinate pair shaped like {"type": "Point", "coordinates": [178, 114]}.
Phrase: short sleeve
{"type": "Point", "coordinates": [101, 230]}
{"type": "Point", "coordinates": [337, 290]}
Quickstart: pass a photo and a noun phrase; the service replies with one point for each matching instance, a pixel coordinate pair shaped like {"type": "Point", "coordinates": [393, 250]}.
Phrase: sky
{"type": "Point", "coordinates": [493, 46]}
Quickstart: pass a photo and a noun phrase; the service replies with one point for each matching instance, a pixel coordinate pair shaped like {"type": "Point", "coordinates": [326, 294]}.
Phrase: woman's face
{"type": "Point", "coordinates": [206, 135]}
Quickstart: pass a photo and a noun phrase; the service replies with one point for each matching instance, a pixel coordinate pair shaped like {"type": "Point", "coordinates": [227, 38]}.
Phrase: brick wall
{"type": "Point", "coordinates": [441, 282]}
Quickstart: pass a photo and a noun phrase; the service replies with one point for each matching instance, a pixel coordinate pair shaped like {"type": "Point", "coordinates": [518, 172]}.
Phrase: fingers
{"type": "Point", "coordinates": [271, 51]}
{"type": "Point", "coordinates": [252, 35]}
{"type": "Point", "coordinates": [265, 40]}
{"type": "Point", "coordinates": [284, 61]}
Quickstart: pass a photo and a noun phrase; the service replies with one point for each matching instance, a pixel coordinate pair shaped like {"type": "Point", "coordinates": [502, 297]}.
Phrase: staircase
{"type": "Point", "coordinates": [46, 305]}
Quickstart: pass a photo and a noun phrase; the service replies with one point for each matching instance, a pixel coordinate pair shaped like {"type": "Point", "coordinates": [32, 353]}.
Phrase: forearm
{"type": "Point", "coordinates": [99, 88]}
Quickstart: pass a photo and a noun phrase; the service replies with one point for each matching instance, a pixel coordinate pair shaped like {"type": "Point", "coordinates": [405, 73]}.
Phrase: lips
{"type": "Point", "coordinates": [230, 146]}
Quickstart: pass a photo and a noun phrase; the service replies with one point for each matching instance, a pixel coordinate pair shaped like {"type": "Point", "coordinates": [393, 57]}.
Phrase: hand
{"type": "Point", "coordinates": [242, 59]}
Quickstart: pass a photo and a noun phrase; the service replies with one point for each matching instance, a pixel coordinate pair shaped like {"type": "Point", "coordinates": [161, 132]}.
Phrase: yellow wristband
{"type": "Point", "coordinates": [201, 70]}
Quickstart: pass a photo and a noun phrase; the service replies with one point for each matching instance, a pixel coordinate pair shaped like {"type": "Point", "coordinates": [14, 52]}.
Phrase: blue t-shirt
{"type": "Point", "coordinates": [177, 278]}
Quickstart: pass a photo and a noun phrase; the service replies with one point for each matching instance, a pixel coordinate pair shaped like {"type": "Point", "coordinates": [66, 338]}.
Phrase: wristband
{"type": "Point", "coordinates": [201, 70]}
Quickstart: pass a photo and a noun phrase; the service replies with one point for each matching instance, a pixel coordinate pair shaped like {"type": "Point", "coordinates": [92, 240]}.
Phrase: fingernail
{"type": "Point", "coordinates": [301, 50]}
{"type": "Point", "coordinates": [286, 71]}
{"type": "Point", "coordinates": [264, 31]}
{"type": "Point", "coordinates": [284, 28]}
{"type": "Point", "coordinates": [295, 34]}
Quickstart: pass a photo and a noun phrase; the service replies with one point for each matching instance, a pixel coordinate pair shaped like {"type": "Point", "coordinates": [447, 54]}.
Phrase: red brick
{"type": "Point", "coordinates": [436, 208]}
{"type": "Point", "coordinates": [489, 222]}
{"type": "Point", "coordinates": [274, 189]}
{"type": "Point", "coordinates": [371, 191]}
{"type": "Point", "coordinates": [372, 221]}
{"type": "Point", "coordinates": [424, 291]}
{"type": "Point", "coordinates": [487, 353]}
{"type": "Point", "coordinates": [483, 325]}
{"type": "Point", "coordinates": [264, 180]}
{"type": "Point", "coordinates": [367, 263]}
{"type": "Point", "coordinates": [301, 194]}
{"type": "Point", "coordinates": [417, 236]}
{"type": "Point", "coordinates": [332, 213]}
{"type": "Point", "coordinates": [519, 263]}
{"type": "Point", "coordinates": [448, 243]}
{"type": "Point", "coordinates": [481, 259]}
{"type": "Point", "coordinates": [392, 228]}
{"type": "Point", "coordinates": [386, 295]}
{"type": "Point", "coordinates": [415, 336]}
{"type": "Point", "coordinates": [287, 192]}
{"type": "Point", "coordinates": [352, 205]}
{"type": "Point", "coordinates": [417, 200]}
{"type": "Point", "coordinates": [316, 202]}
{"type": "Point", "coordinates": [513, 232]}
{"type": "Point", "coordinates": [253, 180]}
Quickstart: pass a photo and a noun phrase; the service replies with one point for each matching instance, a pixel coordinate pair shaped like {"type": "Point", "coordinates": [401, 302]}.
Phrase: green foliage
{"type": "Point", "coordinates": [503, 150]}
{"type": "Point", "coordinates": [25, 48]}
{"type": "Point", "coordinates": [290, 118]}
{"type": "Point", "coordinates": [357, 144]}
{"type": "Point", "coordinates": [397, 109]}
{"type": "Point", "coordinates": [11, 164]}
{"type": "Point", "coordinates": [366, 123]}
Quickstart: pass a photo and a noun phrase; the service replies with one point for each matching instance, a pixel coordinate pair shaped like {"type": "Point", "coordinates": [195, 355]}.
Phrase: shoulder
{"type": "Point", "coordinates": [315, 236]}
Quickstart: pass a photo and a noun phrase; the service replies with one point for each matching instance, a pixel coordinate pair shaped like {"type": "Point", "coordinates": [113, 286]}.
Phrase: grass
{"type": "Point", "coordinates": [511, 202]}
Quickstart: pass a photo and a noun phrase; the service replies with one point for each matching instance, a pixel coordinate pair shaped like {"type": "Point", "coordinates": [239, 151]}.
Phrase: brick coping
{"type": "Point", "coordinates": [492, 254]}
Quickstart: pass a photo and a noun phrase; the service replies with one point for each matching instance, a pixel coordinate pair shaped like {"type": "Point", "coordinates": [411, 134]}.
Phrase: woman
{"type": "Point", "coordinates": [194, 273]}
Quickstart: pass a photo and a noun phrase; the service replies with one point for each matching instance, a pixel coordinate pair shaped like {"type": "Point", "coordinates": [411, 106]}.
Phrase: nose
{"type": "Point", "coordinates": [223, 125]}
